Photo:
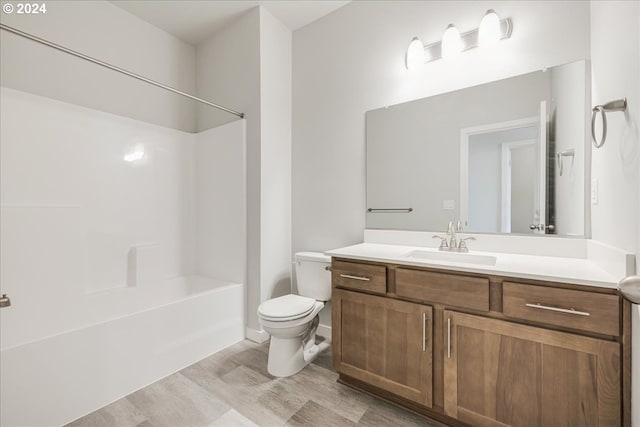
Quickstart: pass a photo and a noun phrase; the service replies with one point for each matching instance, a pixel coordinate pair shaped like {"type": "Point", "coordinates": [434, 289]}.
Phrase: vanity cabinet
{"type": "Point", "coordinates": [384, 342]}
{"type": "Point", "coordinates": [470, 349]}
{"type": "Point", "coordinates": [500, 373]}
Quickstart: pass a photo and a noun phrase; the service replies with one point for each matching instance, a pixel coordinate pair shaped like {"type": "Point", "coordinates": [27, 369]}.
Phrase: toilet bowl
{"type": "Point", "coordinates": [292, 320]}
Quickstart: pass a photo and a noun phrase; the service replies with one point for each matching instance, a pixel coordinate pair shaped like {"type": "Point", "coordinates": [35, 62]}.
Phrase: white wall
{"type": "Point", "coordinates": [569, 98]}
{"type": "Point", "coordinates": [221, 218]}
{"type": "Point", "coordinates": [615, 60]}
{"type": "Point", "coordinates": [485, 183]}
{"type": "Point", "coordinates": [106, 32]}
{"type": "Point", "coordinates": [615, 70]}
{"type": "Point", "coordinates": [247, 65]}
{"type": "Point", "coordinates": [228, 69]}
{"type": "Point", "coordinates": [485, 180]}
{"type": "Point", "coordinates": [275, 182]}
{"type": "Point", "coordinates": [352, 61]}
{"type": "Point", "coordinates": [523, 191]}
{"type": "Point", "coordinates": [228, 73]}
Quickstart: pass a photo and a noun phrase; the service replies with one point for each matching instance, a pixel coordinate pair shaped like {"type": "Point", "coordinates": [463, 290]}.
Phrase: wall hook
{"type": "Point", "coordinates": [617, 105]}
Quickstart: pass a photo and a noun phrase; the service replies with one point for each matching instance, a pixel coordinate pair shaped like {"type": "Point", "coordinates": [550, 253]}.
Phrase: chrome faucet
{"type": "Point", "coordinates": [451, 243]}
{"type": "Point", "coordinates": [451, 231]}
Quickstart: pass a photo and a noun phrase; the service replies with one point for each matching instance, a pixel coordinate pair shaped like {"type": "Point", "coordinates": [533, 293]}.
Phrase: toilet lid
{"type": "Point", "coordinates": [287, 307]}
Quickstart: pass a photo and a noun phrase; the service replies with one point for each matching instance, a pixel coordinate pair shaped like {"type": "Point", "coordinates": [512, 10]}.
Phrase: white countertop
{"type": "Point", "coordinates": [580, 271]}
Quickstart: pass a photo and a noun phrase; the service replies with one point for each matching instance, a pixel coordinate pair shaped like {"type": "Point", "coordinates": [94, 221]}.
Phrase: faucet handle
{"type": "Point", "coordinates": [443, 242]}
{"type": "Point", "coordinates": [462, 246]}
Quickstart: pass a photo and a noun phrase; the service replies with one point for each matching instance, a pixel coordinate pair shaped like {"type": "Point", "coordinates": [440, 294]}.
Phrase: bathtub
{"type": "Point", "coordinates": [76, 358]}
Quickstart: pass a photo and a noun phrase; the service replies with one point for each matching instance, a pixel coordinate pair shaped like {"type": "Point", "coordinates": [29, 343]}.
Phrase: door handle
{"type": "Point", "coordinates": [424, 331]}
{"type": "Point", "coordinates": [449, 338]}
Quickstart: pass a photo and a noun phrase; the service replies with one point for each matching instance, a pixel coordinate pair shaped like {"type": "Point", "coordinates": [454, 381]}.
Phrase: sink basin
{"type": "Point", "coordinates": [453, 257]}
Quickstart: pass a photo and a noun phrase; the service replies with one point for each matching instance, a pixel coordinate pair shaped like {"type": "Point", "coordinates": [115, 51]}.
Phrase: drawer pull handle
{"type": "Point", "coordinates": [560, 310]}
{"type": "Point", "coordinates": [348, 276]}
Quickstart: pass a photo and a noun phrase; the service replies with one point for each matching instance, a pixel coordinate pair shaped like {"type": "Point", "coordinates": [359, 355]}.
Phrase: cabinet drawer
{"type": "Point", "coordinates": [361, 277]}
{"type": "Point", "coordinates": [447, 289]}
{"type": "Point", "coordinates": [581, 310]}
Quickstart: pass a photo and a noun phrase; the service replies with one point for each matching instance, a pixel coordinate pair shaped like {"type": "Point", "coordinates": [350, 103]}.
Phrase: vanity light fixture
{"type": "Point", "coordinates": [492, 29]}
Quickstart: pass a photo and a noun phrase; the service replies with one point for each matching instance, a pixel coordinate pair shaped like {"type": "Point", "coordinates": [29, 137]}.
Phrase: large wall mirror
{"type": "Point", "coordinates": [504, 157]}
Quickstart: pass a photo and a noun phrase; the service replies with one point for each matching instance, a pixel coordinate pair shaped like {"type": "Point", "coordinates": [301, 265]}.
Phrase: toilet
{"type": "Point", "coordinates": [292, 320]}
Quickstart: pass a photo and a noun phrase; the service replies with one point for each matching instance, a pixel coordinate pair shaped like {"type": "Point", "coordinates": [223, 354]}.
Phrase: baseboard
{"type": "Point", "coordinates": [324, 331]}
{"type": "Point", "coordinates": [255, 335]}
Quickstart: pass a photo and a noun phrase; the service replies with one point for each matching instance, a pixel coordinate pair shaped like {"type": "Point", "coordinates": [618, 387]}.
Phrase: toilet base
{"type": "Point", "coordinates": [287, 356]}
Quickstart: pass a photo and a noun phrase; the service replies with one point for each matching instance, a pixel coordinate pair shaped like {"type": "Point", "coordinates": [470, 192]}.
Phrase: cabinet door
{"type": "Point", "coordinates": [384, 342]}
{"type": "Point", "coordinates": [498, 373]}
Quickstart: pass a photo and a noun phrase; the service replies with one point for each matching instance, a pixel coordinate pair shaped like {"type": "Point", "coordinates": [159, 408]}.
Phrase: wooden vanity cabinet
{"type": "Point", "coordinates": [499, 373]}
{"type": "Point", "coordinates": [473, 350]}
{"type": "Point", "coordinates": [384, 342]}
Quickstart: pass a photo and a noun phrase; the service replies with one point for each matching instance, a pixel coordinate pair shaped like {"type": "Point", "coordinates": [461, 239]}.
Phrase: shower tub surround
{"type": "Point", "coordinates": [120, 265]}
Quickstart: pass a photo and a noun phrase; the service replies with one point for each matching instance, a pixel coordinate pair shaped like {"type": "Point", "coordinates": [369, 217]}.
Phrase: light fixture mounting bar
{"type": "Point", "coordinates": [433, 51]}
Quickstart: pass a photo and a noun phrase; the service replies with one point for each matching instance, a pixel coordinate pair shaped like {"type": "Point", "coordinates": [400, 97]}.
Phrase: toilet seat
{"type": "Point", "coordinates": [285, 308]}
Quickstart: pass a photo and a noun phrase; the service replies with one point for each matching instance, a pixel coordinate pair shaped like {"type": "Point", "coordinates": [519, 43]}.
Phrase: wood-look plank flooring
{"type": "Point", "coordinates": [232, 388]}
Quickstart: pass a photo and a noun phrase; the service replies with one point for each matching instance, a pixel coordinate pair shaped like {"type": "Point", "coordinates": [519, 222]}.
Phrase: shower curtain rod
{"type": "Point", "coordinates": [114, 68]}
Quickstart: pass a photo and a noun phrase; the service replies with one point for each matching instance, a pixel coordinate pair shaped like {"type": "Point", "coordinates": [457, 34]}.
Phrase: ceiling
{"type": "Point", "coordinates": [194, 21]}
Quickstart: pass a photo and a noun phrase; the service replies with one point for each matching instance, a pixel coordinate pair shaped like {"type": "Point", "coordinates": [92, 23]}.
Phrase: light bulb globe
{"type": "Point", "coordinates": [415, 54]}
{"type": "Point", "coordinates": [451, 42]}
{"type": "Point", "coordinates": [489, 32]}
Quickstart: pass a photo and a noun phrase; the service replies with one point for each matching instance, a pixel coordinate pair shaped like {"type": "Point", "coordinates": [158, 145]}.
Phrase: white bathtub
{"type": "Point", "coordinates": [74, 360]}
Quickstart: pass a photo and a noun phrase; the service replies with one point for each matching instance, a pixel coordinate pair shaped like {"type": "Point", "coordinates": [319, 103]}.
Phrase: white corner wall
{"type": "Point", "coordinates": [352, 61]}
{"type": "Point", "coordinates": [228, 69]}
{"type": "Point", "coordinates": [615, 70]}
{"type": "Point", "coordinates": [106, 32]}
{"type": "Point", "coordinates": [275, 182]}
{"type": "Point", "coordinates": [228, 73]}
{"type": "Point", "coordinates": [569, 99]}
{"type": "Point", "coordinates": [247, 65]}
{"type": "Point", "coordinates": [615, 60]}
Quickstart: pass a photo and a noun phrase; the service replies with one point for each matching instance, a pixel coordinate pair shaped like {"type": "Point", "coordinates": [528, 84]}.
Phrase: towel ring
{"type": "Point", "coordinates": [617, 105]}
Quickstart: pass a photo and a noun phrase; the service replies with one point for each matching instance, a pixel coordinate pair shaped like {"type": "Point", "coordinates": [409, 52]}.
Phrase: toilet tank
{"type": "Point", "coordinates": [313, 277]}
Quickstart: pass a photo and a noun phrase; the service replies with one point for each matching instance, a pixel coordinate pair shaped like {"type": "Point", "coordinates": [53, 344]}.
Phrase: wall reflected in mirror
{"type": "Point", "coordinates": [487, 155]}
